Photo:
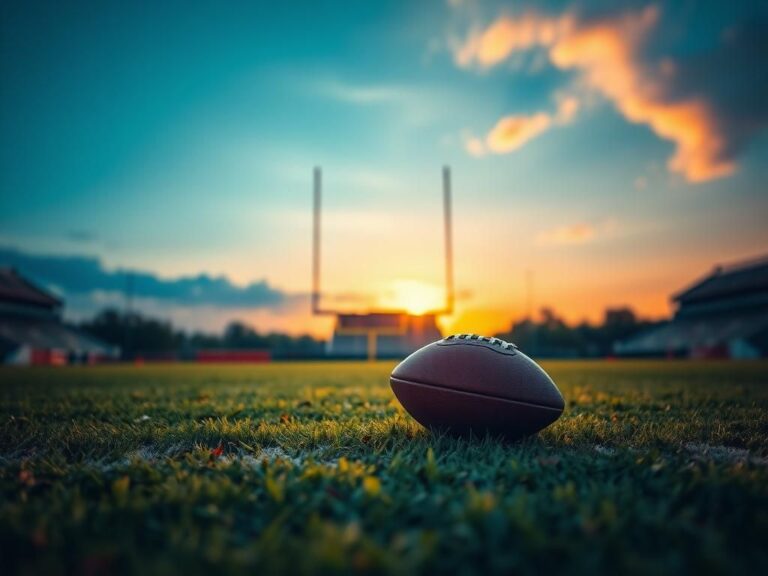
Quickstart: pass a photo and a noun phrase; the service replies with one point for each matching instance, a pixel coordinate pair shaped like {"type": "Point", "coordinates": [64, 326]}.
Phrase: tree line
{"type": "Point", "coordinates": [550, 336]}
{"type": "Point", "coordinates": [140, 336]}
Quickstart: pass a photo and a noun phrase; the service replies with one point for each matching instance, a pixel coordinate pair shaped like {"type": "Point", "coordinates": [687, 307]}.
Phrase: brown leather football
{"type": "Point", "coordinates": [469, 383]}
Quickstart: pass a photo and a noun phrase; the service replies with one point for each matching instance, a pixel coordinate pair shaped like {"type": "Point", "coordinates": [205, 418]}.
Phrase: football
{"type": "Point", "coordinates": [469, 383]}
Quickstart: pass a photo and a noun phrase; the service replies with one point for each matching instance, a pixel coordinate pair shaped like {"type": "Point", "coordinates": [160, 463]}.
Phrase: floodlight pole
{"type": "Point", "coordinates": [449, 296]}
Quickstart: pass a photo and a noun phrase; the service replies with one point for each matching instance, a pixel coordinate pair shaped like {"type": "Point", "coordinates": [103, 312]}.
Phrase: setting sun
{"type": "Point", "coordinates": [413, 296]}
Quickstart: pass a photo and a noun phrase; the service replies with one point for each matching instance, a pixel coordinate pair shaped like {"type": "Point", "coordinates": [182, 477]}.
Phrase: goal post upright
{"type": "Point", "coordinates": [316, 223]}
{"type": "Point", "coordinates": [448, 230]}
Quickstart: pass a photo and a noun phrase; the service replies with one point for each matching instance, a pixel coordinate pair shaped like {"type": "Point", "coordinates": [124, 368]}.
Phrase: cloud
{"type": "Point", "coordinates": [81, 275]}
{"type": "Point", "coordinates": [567, 108]}
{"type": "Point", "coordinates": [580, 233]}
{"type": "Point", "coordinates": [360, 93]}
{"type": "Point", "coordinates": [474, 146]}
{"type": "Point", "coordinates": [512, 132]}
{"type": "Point", "coordinates": [679, 100]}
{"type": "Point", "coordinates": [506, 36]}
{"type": "Point", "coordinates": [411, 105]}
{"type": "Point", "coordinates": [573, 234]}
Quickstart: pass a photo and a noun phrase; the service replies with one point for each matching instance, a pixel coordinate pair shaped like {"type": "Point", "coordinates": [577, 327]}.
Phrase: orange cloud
{"type": "Point", "coordinates": [567, 107]}
{"type": "Point", "coordinates": [579, 233]}
{"type": "Point", "coordinates": [506, 36]}
{"type": "Point", "coordinates": [573, 234]}
{"type": "Point", "coordinates": [474, 146]}
{"type": "Point", "coordinates": [512, 132]}
{"type": "Point", "coordinates": [607, 53]}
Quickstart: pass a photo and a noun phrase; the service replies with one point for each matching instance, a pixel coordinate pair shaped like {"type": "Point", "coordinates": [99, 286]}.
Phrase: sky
{"type": "Point", "coordinates": [602, 153]}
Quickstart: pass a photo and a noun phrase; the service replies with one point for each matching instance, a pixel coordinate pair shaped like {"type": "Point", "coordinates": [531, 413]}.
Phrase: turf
{"type": "Point", "coordinates": [655, 467]}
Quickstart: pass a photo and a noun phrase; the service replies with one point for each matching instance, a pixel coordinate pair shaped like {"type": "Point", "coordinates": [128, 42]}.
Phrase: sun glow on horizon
{"type": "Point", "coordinates": [413, 296]}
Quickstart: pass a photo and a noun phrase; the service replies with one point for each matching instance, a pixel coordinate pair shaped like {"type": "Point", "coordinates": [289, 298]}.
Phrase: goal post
{"type": "Point", "coordinates": [373, 331]}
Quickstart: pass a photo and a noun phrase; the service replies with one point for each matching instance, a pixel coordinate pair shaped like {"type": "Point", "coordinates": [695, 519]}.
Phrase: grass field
{"type": "Point", "coordinates": [654, 468]}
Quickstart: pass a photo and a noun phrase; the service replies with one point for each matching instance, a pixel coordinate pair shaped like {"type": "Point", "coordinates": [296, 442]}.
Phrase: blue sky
{"type": "Point", "coordinates": [179, 140]}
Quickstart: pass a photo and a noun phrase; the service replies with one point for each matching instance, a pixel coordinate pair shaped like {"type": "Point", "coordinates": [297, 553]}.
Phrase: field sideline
{"type": "Point", "coordinates": [313, 467]}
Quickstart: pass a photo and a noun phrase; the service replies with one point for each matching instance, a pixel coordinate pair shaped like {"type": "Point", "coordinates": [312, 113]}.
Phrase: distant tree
{"type": "Point", "coordinates": [241, 336]}
{"type": "Point", "coordinates": [200, 340]}
{"type": "Point", "coordinates": [134, 334]}
{"type": "Point", "coordinates": [552, 336]}
{"type": "Point", "coordinates": [624, 316]}
{"type": "Point", "coordinates": [619, 324]}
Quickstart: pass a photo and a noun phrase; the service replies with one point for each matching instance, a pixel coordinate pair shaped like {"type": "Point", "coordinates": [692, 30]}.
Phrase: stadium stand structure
{"type": "Point", "coordinates": [32, 331]}
{"type": "Point", "coordinates": [723, 315]}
